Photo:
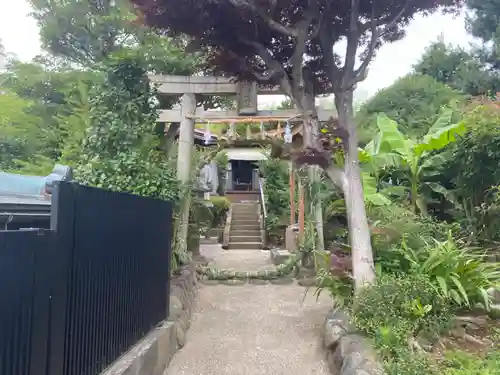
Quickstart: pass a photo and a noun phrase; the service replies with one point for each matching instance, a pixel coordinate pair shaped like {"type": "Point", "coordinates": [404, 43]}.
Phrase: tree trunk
{"type": "Point", "coordinates": [314, 177]}
{"type": "Point", "coordinates": [359, 232]}
{"type": "Point", "coordinates": [312, 151]}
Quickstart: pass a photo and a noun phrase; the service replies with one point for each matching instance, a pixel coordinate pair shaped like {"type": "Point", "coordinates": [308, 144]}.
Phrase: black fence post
{"type": "Point", "coordinates": [42, 285]}
{"type": "Point", "coordinates": [62, 222]}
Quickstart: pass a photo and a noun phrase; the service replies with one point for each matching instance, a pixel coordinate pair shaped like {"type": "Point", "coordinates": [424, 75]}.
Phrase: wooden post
{"type": "Point", "coordinates": [292, 195]}
{"type": "Point", "coordinates": [301, 213]}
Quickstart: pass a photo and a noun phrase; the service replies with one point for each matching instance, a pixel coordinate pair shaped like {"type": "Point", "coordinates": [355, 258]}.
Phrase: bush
{"type": "Point", "coordinates": [413, 102]}
{"type": "Point", "coordinates": [392, 224]}
{"type": "Point", "coordinates": [460, 363]}
{"type": "Point", "coordinates": [219, 210]}
{"type": "Point", "coordinates": [394, 313]}
{"type": "Point", "coordinates": [277, 195]}
{"type": "Point", "coordinates": [459, 274]}
{"type": "Point", "coordinates": [399, 308]}
{"type": "Point", "coordinates": [473, 171]}
{"type": "Point", "coordinates": [334, 275]}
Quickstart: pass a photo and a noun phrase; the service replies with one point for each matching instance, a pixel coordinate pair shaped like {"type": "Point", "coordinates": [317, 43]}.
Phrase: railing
{"type": "Point", "coordinates": [262, 198]}
{"type": "Point", "coordinates": [263, 212]}
{"type": "Point", "coordinates": [80, 295]}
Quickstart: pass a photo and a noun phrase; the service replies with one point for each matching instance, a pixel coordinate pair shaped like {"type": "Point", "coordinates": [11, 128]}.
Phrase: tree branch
{"type": "Point", "coordinates": [276, 26]}
{"type": "Point", "coordinates": [303, 36]}
{"type": "Point", "coordinates": [352, 44]}
{"type": "Point", "coordinates": [361, 73]}
{"type": "Point", "coordinates": [272, 64]}
{"type": "Point", "coordinates": [337, 176]}
{"type": "Point", "coordinates": [333, 71]}
{"type": "Point", "coordinates": [265, 76]}
{"type": "Point", "coordinates": [397, 17]}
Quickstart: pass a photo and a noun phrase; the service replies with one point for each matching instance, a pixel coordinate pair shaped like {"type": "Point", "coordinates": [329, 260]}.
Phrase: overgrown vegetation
{"type": "Point", "coordinates": [277, 194]}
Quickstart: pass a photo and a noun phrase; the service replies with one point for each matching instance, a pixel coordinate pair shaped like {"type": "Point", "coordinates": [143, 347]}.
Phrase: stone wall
{"type": "Point", "coordinates": [152, 355]}
{"type": "Point", "coordinates": [347, 352]}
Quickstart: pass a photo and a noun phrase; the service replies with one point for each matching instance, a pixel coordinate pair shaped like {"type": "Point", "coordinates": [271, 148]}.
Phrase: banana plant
{"type": "Point", "coordinates": [369, 175]}
{"type": "Point", "coordinates": [415, 160]}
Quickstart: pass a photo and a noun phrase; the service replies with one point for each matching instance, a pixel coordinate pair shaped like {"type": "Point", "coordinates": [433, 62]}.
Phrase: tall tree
{"type": "Point", "coordinates": [459, 69]}
{"type": "Point", "coordinates": [291, 44]}
{"type": "Point", "coordinates": [482, 22]}
{"type": "Point", "coordinates": [19, 133]}
{"type": "Point", "coordinates": [50, 89]}
{"type": "Point", "coordinates": [414, 102]}
{"type": "Point", "coordinates": [86, 32]}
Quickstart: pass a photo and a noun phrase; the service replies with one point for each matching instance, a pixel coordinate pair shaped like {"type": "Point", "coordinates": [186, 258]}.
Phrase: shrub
{"type": "Point", "coordinates": [398, 309]}
{"type": "Point", "coordinates": [392, 224]}
{"type": "Point", "coordinates": [334, 275]}
{"type": "Point", "coordinates": [460, 363]}
{"type": "Point", "coordinates": [219, 210]}
{"type": "Point", "coordinates": [414, 101]}
{"type": "Point", "coordinates": [457, 273]}
{"type": "Point", "coordinates": [277, 195]}
{"type": "Point", "coordinates": [394, 313]}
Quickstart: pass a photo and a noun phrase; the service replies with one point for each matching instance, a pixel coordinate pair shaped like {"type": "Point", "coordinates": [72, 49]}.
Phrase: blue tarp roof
{"type": "Point", "coordinates": [16, 184]}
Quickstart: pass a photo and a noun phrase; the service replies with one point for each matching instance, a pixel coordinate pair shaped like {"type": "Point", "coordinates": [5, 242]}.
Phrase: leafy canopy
{"type": "Point", "coordinates": [414, 102]}
{"type": "Point", "coordinates": [86, 32]}
{"type": "Point", "coordinates": [415, 161]}
{"type": "Point", "coordinates": [120, 150]}
{"type": "Point", "coordinates": [459, 69]}
{"type": "Point", "coordinates": [482, 22]}
{"type": "Point", "coordinates": [267, 40]}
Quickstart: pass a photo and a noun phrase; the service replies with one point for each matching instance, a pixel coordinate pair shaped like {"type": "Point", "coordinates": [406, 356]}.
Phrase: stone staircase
{"type": "Point", "coordinates": [244, 233]}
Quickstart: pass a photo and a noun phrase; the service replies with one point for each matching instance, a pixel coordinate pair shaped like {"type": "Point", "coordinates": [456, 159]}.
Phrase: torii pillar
{"type": "Point", "coordinates": [184, 159]}
{"type": "Point", "coordinates": [292, 195]}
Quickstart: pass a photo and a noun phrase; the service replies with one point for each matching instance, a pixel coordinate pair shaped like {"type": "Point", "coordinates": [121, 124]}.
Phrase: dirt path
{"type": "Point", "coordinates": [252, 329]}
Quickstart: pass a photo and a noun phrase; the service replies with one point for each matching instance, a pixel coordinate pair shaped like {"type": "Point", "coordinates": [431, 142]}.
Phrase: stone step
{"type": "Point", "coordinates": [242, 215]}
{"type": "Point", "coordinates": [244, 238]}
{"type": "Point", "coordinates": [239, 221]}
{"type": "Point", "coordinates": [246, 227]}
{"type": "Point", "coordinates": [244, 222]}
{"type": "Point", "coordinates": [244, 232]}
{"type": "Point", "coordinates": [245, 212]}
{"type": "Point", "coordinates": [245, 245]}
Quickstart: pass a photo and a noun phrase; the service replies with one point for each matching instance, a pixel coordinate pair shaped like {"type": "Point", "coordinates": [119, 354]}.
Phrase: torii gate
{"type": "Point", "coordinates": [192, 86]}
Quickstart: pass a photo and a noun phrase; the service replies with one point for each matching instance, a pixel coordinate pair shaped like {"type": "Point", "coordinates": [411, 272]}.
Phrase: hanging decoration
{"type": "Point", "coordinates": [249, 130]}
{"type": "Point", "coordinates": [288, 137]}
{"type": "Point", "coordinates": [230, 131]}
{"type": "Point", "coordinates": [208, 135]}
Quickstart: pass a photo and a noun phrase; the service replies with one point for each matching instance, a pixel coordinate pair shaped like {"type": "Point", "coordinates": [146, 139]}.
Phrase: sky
{"type": "Point", "coordinates": [19, 34]}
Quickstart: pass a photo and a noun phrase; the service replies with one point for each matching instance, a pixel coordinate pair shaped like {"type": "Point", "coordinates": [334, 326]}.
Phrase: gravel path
{"type": "Point", "coordinates": [252, 329]}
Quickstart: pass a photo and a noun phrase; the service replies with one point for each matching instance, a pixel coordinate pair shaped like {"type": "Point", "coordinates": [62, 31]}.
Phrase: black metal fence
{"type": "Point", "coordinates": [76, 297]}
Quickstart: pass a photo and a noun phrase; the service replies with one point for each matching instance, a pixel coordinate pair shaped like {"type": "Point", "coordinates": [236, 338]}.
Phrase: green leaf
{"type": "Point", "coordinates": [460, 288]}
{"type": "Point", "coordinates": [440, 137]}
{"type": "Point", "coordinates": [449, 196]}
{"type": "Point", "coordinates": [442, 284]}
{"type": "Point", "coordinates": [391, 139]}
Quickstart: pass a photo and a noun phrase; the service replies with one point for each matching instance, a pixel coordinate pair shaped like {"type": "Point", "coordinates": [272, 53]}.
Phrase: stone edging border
{"type": "Point", "coordinates": [347, 352]}
{"type": "Point", "coordinates": [153, 353]}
